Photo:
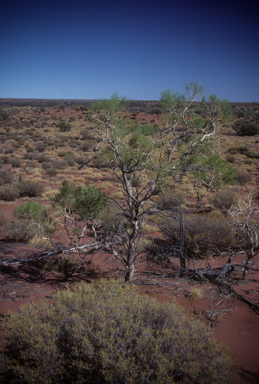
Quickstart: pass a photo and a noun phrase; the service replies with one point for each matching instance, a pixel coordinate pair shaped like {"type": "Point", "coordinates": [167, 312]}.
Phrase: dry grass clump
{"type": "Point", "coordinates": [195, 294]}
{"type": "Point", "coordinates": [39, 242]}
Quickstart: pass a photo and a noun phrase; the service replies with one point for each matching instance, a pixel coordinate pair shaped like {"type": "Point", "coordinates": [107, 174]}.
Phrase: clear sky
{"type": "Point", "coordinates": [63, 49]}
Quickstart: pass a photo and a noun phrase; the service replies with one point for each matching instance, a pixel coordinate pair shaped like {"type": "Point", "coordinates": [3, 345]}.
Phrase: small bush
{"type": "Point", "coordinates": [243, 177]}
{"type": "Point", "coordinates": [68, 265]}
{"type": "Point", "coordinates": [88, 202]}
{"type": "Point", "coordinates": [230, 158]}
{"type": "Point", "coordinates": [30, 188]}
{"type": "Point", "coordinates": [204, 235]}
{"type": "Point", "coordinates": [64, 126]}
{"type": "Point", "coordinates": [5, 177]}
{"type": "Point", "coordinates": [156, 111]}
{"type": "Point", "coordinates": [245, 127]}
{"type": "Point", "coordinates": [103, 333]}
{"type": "Point", "coordinates": [169, 200]}
{"type": "Point", "coordinates": [51, 171]}
{"type": "Point", "coordinates": [224, 199]}
{"type": "Point", "coordinates": [15, 162]}
{"type": "Point", "coordinates": [20, 230]}
{"type": "Point", "coordinates": [9, 193]}
{"type": "Point", "coordinates": [30, 210]}
{"type": "Point", "coordinates": [4, 115]}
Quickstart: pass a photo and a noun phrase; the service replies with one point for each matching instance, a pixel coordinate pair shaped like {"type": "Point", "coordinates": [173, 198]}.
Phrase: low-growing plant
{"type": "Point", "coordinates": [203, 234]}
{"type": "Point", "coordinates": [243, 177]}
{"type": "Point", "coordinates": [30, 211]}
{"type": "Point", "coordinates": [30, 188]}
{"type": "Point", "coordinates": [5, 177]}
{"type": "Point", "coordinates": [20, 230]}
{"type": "Point", "coordinates": [195, 293]}
{"type": "Point", "coordinates": [15, 162]}
{"type": "Point", "coordinates": [224, 199]}
{"type": "Point", "coordinates": [9, 192]}
{"type": "Point", "coordinates": [64, 126]}
{"type": "Point", "coordinates": [105, 333]}
{"type": "Point", "coordinates": [51, 171]}
{"type": "Point", "coordinates": [66, 264]}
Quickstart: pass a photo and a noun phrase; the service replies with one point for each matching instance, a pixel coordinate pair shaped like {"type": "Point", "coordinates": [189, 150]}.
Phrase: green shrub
{"type": "Point", "coordinates": [4, 115]}
{"type": "Point", "coordinates": [30, 188]}
{"type": "Point", "coordinates": [88, 202]}
{"type": "Point", "coordinates": [30, 210]}
{"type": "Point", "coordinates": [103, 333]}
{"type": "Point", "coordinates": [9, 192]}
{"type": "Point", "coordinates": [156, 111]}
{"type": "Point", "coordinates": [64, 126]}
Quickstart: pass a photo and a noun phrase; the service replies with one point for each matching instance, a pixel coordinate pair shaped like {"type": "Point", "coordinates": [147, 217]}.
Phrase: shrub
{"type": "Point", "coordinates": [9, 193]}
{"type": "Point", "coordinates": [245, 127]}
{"type": "Point", "coordinates": [5, 177]}
{"type": "Point", "coordinates": [103, 333]}
{"type": "Point", "coordinates": [30, 210]}
{"type": "Point", "coordinates": [51, 171]}
{"type": "Point", "coordinates": [4, 115]}
{"type": "Point", "coordinates": [169, 200]}
{"type": "Point", "coordinates": [88, 202]}
{"type": "Point", "coordinates": [30, 188]}
{"type": "Point", "coordinates": [230, 158]}
{"type": "Point", "coordinates": [204, 235]}
{"type": "Point", "coordinates": [64, 126]}
{"type": "Point", "coordinates": [20, 230]}
{"type": "Point", "coordinates": [243, 177]}
{"type": "Point", "coordinates": [156, 111]}
{"type": "Point", "coordinates": [15, 162]}
{"type": "Point", "coordinates": [224, 199]}
{"type": "Point", "coordinates": [63, 264]}
{"type": "Point", "coordinates": [40, 147]}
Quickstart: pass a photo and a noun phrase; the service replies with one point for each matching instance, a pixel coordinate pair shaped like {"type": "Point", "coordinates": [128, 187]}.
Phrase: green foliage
{"type": "Point", "coordinates": [88, 202]}
{"type": "Point", "coordinates": [4, 115]}
{"type": "Point", "coordinates": [64, 126]}
{"type": "Point", "coordinates": [112, 105]}
{"type": "Point", "coordinates": [30, 211]}
{"type": "Point", "coordinates": [103, 333]}
{"type": "Point", "coordinates": [211, 170]}
{"type": "Point", "coordinates": [30, 188]}
{"type": "Point", "coordinates": [156, 111]}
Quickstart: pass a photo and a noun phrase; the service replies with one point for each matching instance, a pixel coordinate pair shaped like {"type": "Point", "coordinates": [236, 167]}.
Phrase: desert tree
{"type": "Point", "coordinates": [142, 167]}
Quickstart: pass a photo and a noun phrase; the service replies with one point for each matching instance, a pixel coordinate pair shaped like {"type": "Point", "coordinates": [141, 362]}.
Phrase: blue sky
{"type": "Point", "coordinates": [91, 49]}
